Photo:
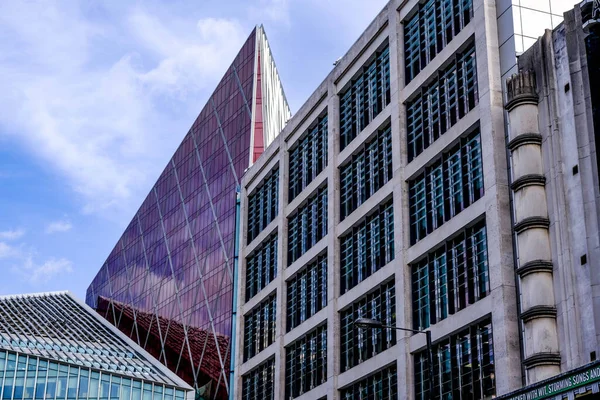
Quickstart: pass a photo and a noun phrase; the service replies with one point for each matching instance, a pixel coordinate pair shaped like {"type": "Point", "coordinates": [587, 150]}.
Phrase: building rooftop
{"type": "Point", "coordinates": [58, 327]}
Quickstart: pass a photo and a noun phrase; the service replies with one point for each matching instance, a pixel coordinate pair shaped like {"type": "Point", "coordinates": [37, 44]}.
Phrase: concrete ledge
{"type": "Point", "coordinates": [521, 99]}
{"type": "Point", "coordinates": [311, 116]}
{"type": "Point", "coordinates": [265, 164]}
{"type": "Point", "coordinates": [535, 266]}
{"type": "Point", "coordinates": [542, 359]}
{"type": "Point", "coordinates": [317, 320]}
{"type": "Point", "coordinates": [269, 230]}
{"type": "Point", "coordinates": [526, 138]}
{"type": "Point", "coordinates": [383, 195]}
{"type": "Point", "coordinates": [532, 223]}
{"type": "Point", "coordinates": [317, 392]}
{"type": "Point", "coordinates": [310, 189]}
{"type": "Point", "coordinates": [305, 258]}
{"type": "Point", "coordinates": [265, 292]}
{"type": "Point", "coordinates": [384, 274]}
{"type": "Point", "coordinates": [539, 312]}
{"type": "Point", "coordinates": [528, 180]}
{"type": "Point", "coordinates": [441, 60]}
{"type": "Point", "coordinates": [479, 311]}
{"type": "Point", "coordinates": [462, 127]}
{"type": "Point", "coordinates": [382, 119]}
{"type": "Point", "coordinates": [368, 367]}
{"type": "Point", "coordinates": [258, 359]}
{"type": "Point", "coordinates": [464, 218]}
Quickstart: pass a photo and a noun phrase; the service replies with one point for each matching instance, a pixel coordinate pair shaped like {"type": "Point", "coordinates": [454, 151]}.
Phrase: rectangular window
{"type": "Point", "coordinates": [306, 363]}
{"type": "Point", "coordinates": [368, 94]}
{"type": "Point", "coordinates": [258, 383]}
{"type": "Point", "coordinates": [307, 226]}
{"type": "Point", "coordinates": [434, 25]}
{"type": "Point", "coordinates": [259, 327]}
{"type": "Point", "coordinates": [438, 106]}
{"type": "Point", "coordinates": [446, 187]}
{"type": "Point", "coordinates": [450, 278]}
{"type": "Point", "coordinates": [463, 366]}
{"type": "Point", "coordinates": [261, 267]}
{"type": "Point", "coordinates": [369, 170]}
{"type": "Point", "coordinates": [358, 345]}
{"type": "Point", "coordinates": [263, 205]}
{"type": "Point", "coordinates": [382, 385]}
{"type": "Point", "coordinates": [368, 247]}
{"type": "Point", "coordinates": [308, 157]}
{"type": "Point", "coordinates": [307, 292]}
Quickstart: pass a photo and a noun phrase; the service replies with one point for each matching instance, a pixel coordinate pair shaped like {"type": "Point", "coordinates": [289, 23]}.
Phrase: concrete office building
{"type": "Point", "coordinates": [168, 283]}
{"type": "Point", "coordinates": [402, 199]}
{"type": "Point", "coordinates": [554, 113]}
{"type": "Point", "coordinates": [52, 346]}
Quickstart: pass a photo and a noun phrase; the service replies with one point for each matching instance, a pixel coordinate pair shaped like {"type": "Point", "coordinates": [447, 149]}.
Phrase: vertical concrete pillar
{"type": "Point", "coordinates": [333, 245]}
{"type": "Point", "coordinates": [401, 211]}
{"type": "Point", "coordinates": [531, 229]}
{"type": "Point", "coordinates": [282, 245]}
{"type": "Point", "coordinates": [507, 360]}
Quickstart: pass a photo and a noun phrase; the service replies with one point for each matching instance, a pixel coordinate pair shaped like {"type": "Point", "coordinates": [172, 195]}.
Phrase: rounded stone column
{"type": "Point", "coordinates": [531, 229]}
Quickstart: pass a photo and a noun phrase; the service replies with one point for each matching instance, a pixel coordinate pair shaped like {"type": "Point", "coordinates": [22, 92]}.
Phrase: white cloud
{"type": "Point", "coordinates": [41, 273]}
{"type": "Point", "coordinates": [59, 226]}
{"type": "Point", "coordinates": [188, 63]}
{"type": "Point", "coordinates": [26, 266]}
{"type": "Point", "coordinates": [275, 11]}
{"type": "Point", "coordinates": [5, 250]}
{"type": "Point", "coordinates": [102, 94]}
{"type": "Point", "coordinates": [22, 261]}
{"type": "Point", "coordinates": [106, 119]}
{"type": "Point", "coordinates": [12, 234]}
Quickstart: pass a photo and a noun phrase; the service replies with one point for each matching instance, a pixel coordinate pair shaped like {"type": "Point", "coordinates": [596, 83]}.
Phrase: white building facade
{"type": "Point", "coordinates": [389, 196]}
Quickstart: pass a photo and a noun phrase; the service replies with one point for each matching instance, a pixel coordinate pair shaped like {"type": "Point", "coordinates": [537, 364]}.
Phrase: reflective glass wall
{"type": "Point", "coordinates": [168, 282]}
{"type": "Point", "coordinates": [29, 377]}
{"type": "Point", "coordinates": [521, 22]}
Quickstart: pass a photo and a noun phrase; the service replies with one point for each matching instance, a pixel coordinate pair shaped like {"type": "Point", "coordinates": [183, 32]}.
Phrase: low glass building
{"type": "Point", "coordinates": [54, 347]}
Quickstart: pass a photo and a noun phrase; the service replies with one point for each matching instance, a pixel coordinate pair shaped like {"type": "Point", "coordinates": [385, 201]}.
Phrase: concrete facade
{"type": "Point", "coordinates": [551, 117]}
{"type": "Point", "coordinates": [514, 338]}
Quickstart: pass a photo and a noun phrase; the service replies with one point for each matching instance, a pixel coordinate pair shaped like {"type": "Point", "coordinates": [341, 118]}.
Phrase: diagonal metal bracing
{"type": "Point", "coordinates": [178, 299]}
{"type": "Point", "coordinates": [216, 221]}
{"type": "Point", "coordinates": [225, 145]}
{"type": "Point", "coordinates": [196, 260]}
{"type": "Point", "coordinates": [241, 89]}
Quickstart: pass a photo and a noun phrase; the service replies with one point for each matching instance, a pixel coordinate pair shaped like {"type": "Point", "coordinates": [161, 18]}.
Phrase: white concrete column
{"type": "Point", "coordinates": [530, 209]}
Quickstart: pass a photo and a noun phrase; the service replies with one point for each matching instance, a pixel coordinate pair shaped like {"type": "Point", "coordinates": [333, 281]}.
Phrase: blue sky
{"type": "Point", "coordinates": [96, 96]}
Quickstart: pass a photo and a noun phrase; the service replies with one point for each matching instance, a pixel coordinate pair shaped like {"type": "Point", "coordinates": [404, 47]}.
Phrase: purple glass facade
{"type": "Point", "coordinates": [168, 282]}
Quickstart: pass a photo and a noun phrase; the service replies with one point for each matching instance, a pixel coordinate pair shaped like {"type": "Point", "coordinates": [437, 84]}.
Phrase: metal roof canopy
{"type": "Point", "coordinates": [57, 326]}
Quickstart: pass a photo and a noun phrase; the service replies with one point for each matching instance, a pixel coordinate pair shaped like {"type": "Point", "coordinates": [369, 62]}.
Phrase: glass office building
{"type": "Point", "coordinates": [168, 282]}
{"type": "Point", "coordinates": [54, 347]}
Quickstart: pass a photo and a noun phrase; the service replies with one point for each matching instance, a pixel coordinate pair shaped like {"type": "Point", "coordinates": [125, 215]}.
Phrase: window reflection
{"type": "Point", "coordinates": [27, 377]}
{"type": "Point", "coordinates": [367, 96]}
{"type": "Point", "coordinates": [307, 225]}
{"type": "Point", "coordinates": [434, 25]}
{"type": "Point", "coordinates": [357, 344]}
{"type": "Point", "coordinates": [307, 292]}
{"type": "Point", "coordinates": [438, 106]}
{"type": "Point", "coordinates": [258, 384]}
{"type": "Point", "coordinates": [446, 187]}
{"type": "Point", "coordinates": [369, 170]}
{"type": "Point", "coordinates": [308, 157]}
{"type": "Point", "coordinates": [306, 363]}
{"type": "Point", "coordinates": [368, 247]}
{"type": "Point", "coordinates": [382, 385]}
{"type": "Point", "coordinates": [463, 366]}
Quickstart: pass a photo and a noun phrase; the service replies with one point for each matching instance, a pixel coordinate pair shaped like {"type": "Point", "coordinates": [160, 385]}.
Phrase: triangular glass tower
{"type": "Point", "coordinates": [168, 282]}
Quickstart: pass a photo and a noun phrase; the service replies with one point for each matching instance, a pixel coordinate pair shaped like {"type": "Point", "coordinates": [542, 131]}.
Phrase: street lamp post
{"type": "Point", "coordinates": [368, 323]}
